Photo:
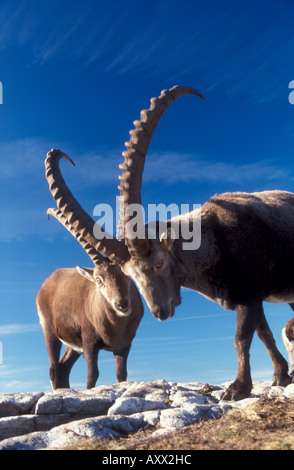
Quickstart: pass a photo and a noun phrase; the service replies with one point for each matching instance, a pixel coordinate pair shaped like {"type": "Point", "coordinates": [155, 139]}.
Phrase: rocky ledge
{"type": "Point", "coordinates": [54, 420]}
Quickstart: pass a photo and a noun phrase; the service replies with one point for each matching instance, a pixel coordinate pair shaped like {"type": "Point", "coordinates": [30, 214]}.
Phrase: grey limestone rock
{"type": "Point", "coordinates": [14, 404]}
{"type": "Point", "coordinates": [55, 420]}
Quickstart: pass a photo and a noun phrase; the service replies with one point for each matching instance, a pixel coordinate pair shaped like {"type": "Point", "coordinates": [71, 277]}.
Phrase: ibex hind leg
{"type": "Point", "coordinates": [70, 356]}
{"type": "Point", "coordinates": [280, 364]}
{"type": "Point", "coordinates": [53, 345]}
{"type": "Point", "coordinates": [281, 376]}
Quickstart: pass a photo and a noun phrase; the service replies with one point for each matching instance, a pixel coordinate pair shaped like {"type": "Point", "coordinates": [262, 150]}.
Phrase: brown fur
{"type": "Point", "coordinates": [80, 313]}
{"type": "Point", "coordinates": [87, 309]}
{"type": "Point", "coordinates": [246, 254]}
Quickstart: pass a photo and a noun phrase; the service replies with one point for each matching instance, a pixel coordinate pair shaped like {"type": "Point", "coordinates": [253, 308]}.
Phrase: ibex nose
{"type": "Point", "coordinates": [167, 311]}
{"type": "Point", "coordinates": [164, 313]}
{"type": "Point", "coordinates": [122, 306]}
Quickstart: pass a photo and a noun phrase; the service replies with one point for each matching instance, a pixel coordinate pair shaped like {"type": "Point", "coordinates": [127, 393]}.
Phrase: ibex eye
{"type": "Point", "coordinates": [99, 281]}
{"type": "Point", "coordinates": [159, 264]}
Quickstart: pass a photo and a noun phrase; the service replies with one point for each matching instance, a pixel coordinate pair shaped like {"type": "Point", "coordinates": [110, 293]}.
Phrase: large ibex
{"type": "Point", "coordinates": [86, 309]}
{"type": "Point", "coordinates": [246, 254]}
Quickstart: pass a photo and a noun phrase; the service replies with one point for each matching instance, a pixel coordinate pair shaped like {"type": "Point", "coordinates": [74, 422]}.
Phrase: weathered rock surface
{"type": "Point", "coordinates": [14, 404]}
{"type": "Point", "coordinates": [56, 419]}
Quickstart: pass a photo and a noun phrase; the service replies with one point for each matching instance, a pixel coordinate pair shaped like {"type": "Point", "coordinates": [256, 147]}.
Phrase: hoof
{"type": "Point", "coordinates": [236, 392]}
{"type": "Point", "coordinates": [283, 381]}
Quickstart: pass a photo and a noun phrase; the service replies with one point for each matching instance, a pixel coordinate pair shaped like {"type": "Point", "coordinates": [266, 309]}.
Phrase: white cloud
{"type": "Point", "coordinates": [26, 157]}
{"type": "Point", "coordinates": [163, 342]}
{"type": "Point", "coordinates": [172, 40]}
{"type": "Point", "coordinates": [22, 157]}
{"type": "Point", "coordinates": [15, 328]}
{"type": "Point", "coordinates": [261, 375]}
{"type": "Point", "coordinates": [176, 167]}
{"type": "Point", "coordinates": [173, 167]}
{"type": "Point", "coordinates": [193, 317]}
{"type": "Point", "coordinates": [22, 379]}
{"type": "Point", "coordinates": [23, 173]}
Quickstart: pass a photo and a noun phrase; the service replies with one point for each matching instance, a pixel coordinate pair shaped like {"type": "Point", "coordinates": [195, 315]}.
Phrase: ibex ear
{"type": "Point", "coordinates": [86, 272]}
{"type": "Point", "coordinates": [167, 239]}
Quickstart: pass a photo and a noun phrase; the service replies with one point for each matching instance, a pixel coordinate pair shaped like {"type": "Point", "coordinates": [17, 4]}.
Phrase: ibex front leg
{"type": "Point", "coordinates": [248, 316]}
{"type": "Point", "coordinates": [121, 363]}
{"type": "Point", "coordinates": [90, 350]}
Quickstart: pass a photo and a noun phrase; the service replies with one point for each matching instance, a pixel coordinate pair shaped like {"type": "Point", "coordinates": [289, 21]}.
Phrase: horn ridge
{"type": "Point", "coordinates": [77, 216]}
{"type": "Point", "coordinates": [95, 256]}
{"type": "Point", "coordinates": [134, 157]}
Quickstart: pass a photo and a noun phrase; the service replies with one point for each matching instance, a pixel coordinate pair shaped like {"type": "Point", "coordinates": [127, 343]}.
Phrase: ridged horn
{"type": "Point", "coordinates": [134, 159]}
{"type": "Point", "coordinates": [95, 256]}
{"type": "Point", "coordinates": [76, 216]}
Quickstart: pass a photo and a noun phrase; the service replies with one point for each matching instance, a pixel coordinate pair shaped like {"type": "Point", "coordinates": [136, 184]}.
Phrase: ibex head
{"type": "Point", "coordinates": [158, 276]}
{"type": "Point", "coordinates": [110, 281]}
{"type": "Point", "coordinates": [113, 285]}
{"type": "Point", "coordinates": [151, 263]}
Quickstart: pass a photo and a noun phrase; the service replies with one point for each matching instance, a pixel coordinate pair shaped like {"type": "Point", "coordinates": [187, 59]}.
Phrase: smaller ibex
{"type": "Point", "coordinates": [86, 309]}
{"type": "Point", "coordinates": [288, 338]}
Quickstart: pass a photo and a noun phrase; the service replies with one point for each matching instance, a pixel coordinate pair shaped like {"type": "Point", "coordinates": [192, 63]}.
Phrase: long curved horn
{"type": "Point", "coordinates": [95, 256]}
{"type": "Point", "coordinates": [134, 158]}
{"type": "Point", "coordinates": [76, 216]}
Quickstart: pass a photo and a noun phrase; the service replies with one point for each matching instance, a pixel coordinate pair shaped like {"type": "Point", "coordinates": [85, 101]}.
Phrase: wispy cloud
{"type": "Point", "coordinates": [21, 379]}
{"type": "Point", "coordinates": [170, 40]}
{"type": "Point", "coordinates": [20, 287]}
{"type": "Point", "coordinates": [176, 167]}
{"type": "Point", "coordinates": [261, 375]}
{"type": "Point", "coordinates": [22, 157]}
{"type": "Point", "coordinates": [173, 167]}
{"type": "Point", "coordinates": [63, 39]}
{"type": "Point", "coordinates": [11, 20]}
{"type": "Point", "coordinates": [23, 222]}
{"type": "Point", "coordinates": [22, 172]}
{"type": "Point", "coordinates": [164, 342]}
{"type": "Point", "coordinates": [26, 157]}
{"type": "Point", "coordinates": [193, 317]}
{"type": "Point", "coordinates": [17, 328]}
{"type": "Point", "coordinates": [67, 30]}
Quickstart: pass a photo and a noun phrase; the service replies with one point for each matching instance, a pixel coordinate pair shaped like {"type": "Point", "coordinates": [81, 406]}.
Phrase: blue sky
{"type": "Point", "coordinates": [75, 75]}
